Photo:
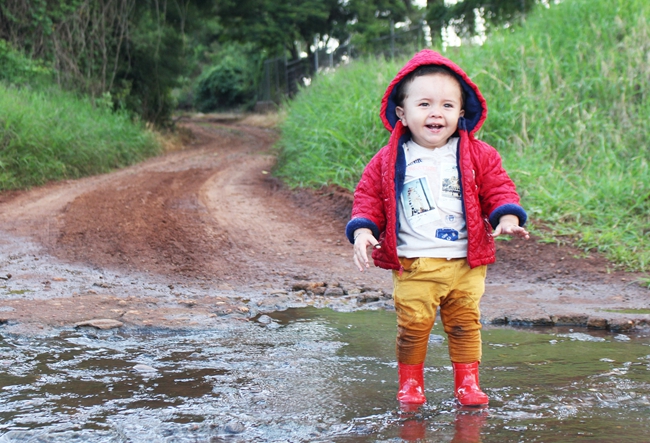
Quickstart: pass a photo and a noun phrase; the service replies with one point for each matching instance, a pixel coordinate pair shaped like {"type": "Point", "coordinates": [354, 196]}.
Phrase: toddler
{"type": "Point", "coordinates": [430, 203]}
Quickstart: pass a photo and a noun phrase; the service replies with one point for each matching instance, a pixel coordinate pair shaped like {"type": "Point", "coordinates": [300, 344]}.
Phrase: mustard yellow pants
{"type": "Point", "coordinates": [426, 284]}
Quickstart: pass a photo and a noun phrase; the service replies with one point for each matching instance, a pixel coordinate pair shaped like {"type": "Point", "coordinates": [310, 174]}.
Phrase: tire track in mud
{"type": "Point", "coordinates": [213, 212]}
{"type": "Point", "coordinates": [167, 243]}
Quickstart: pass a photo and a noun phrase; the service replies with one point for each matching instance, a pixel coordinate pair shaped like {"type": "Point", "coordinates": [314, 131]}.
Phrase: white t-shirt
{"type": "Point", "coordinates": [431, 217]}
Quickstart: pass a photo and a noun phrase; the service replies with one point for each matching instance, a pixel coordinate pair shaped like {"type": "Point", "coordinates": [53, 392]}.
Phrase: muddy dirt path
{"type": "Point", "coordinates": [204, 235]}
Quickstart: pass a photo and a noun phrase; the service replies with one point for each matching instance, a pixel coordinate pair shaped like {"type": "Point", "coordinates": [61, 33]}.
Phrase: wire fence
{"type": "Point", "coordinates": [282, 78]}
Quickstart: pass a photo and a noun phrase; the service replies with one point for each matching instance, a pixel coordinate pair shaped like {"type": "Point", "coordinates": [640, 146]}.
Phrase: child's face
{"type": "Point", "coordinates": [431, 109]}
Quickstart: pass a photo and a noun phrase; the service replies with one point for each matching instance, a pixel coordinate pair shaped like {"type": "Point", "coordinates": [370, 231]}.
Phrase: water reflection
{"type": "Point", "coordinates": [468, 425]}
{"type": "Point", "coordinates": [316, 376]}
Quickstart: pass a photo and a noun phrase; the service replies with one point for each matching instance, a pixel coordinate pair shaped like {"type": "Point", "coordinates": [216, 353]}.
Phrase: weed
{"type": "Point", "coordinates": [628, 311]}
{"type": "Point", "coordinates": [19, 291]}
{"type": "Point", "coordinates": [645, 281]}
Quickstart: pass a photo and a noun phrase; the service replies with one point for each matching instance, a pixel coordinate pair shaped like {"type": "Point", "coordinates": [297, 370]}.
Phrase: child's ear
{"type": "Point", "coordinates": [400, 112]}
{"type": "Point", "coordinates": [462, 113]}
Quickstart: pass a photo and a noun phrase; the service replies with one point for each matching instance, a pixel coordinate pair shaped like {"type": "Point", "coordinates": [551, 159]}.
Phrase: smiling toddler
{"type": "Point", "coordinates": [429, 204]}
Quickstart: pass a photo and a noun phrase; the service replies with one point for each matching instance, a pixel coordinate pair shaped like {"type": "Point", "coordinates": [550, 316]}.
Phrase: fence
{"type": "Point", "coordinates": [283, 78]}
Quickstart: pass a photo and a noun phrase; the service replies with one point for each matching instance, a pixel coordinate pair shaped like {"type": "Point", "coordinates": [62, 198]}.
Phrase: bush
{"type": "Point", "coordinates": [231, 82]}
{"type": "Point", "coordinates": [18, 69]}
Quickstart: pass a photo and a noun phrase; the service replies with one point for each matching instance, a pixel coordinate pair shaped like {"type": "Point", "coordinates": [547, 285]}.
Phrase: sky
{"type": "Point", "coordinates": [423, 3]}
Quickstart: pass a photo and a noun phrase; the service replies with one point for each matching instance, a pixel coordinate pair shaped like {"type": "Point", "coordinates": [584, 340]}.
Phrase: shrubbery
{"type": "Point", "coordinates": [18, 69]}
{"type": "Point", "coordinates": [230, 82]}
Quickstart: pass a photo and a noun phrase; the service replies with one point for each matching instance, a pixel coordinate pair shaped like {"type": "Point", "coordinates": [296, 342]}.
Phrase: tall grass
{"type": "Point", "coordinates": [569, 110]}
{"type": "Point", "coordinates": [53, 135]}
{"type": "Point", "coordinates": [333, 127]}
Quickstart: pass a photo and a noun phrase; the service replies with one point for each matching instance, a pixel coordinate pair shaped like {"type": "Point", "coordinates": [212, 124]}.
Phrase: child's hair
{"type": "Point", "coordinates": [400, 90]}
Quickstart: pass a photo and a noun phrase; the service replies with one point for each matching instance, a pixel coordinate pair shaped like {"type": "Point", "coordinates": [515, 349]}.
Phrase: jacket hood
{"type": "Point", "coordinates": [475, 105]}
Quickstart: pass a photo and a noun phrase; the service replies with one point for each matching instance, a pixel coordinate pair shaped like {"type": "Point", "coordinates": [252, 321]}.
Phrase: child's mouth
{"type": "Point", "coordinates": [434, 127]}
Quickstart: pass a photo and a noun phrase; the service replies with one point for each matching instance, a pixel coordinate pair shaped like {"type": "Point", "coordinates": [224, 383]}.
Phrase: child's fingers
{"type": "Point", "coordinates": [357, 263]}
{"type": "Point", "coordinates": [511, 230]}
{"type": "Point", "coordinates": [360, 258]}
{"type": "Point", "coordinates": [361, 243]}
{"type": "Point", "coordinates": [521, 232]}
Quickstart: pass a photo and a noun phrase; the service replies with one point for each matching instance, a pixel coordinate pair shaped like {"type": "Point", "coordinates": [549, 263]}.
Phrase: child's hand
{"type": "Point", "coordinates": [509, 225]}
{"type": "Point", "coordinates": [363, 239]}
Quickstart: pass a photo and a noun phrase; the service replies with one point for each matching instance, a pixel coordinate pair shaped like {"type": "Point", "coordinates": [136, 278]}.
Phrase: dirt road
{"type": "Point", "coordinates": [205, 234]}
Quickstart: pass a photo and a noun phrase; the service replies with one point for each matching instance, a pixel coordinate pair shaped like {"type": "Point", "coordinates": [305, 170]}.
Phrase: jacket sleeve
{"type": "Point", "coordinates": [497, 192]}
{"type": "Point", "coordinates": [368, 207]}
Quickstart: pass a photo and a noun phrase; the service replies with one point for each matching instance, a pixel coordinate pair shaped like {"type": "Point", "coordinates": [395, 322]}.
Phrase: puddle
{"type": "Point", "coordinates": [316, 376]}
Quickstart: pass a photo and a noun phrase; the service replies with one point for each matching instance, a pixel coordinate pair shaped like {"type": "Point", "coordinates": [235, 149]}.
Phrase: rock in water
{"type": "Point", "coordinates": [100, 323]}
{"type": "Point", "coordinates": [235, 428]}
{"type": "Point", "coordinates": [145, 369]}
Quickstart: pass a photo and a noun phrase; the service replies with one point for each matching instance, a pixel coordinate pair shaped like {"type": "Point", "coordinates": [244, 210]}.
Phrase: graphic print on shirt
{"type": "Point", "coordinates": [450, 186]}
{"type": "Point", "coordinates": [440, 232]}
{"type": "Point", "coordinates": [450, 198]}
{"type": "Point", "coordinates": [418, 202]}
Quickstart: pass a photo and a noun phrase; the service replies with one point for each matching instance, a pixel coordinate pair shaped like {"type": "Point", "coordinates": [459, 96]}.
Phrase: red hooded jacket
{"type": "Point", "coordinates": [487, 190]}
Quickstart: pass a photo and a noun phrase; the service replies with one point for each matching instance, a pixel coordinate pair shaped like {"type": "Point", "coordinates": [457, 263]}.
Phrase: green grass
{"type": "Point", "coordinates": [629, 311]}
{"type": "Point", "coordinates": [333, 127]}
{"type": "Point", "coordinates": [569, 110]}
{"type": "Point", "coordinates": [53, 135]}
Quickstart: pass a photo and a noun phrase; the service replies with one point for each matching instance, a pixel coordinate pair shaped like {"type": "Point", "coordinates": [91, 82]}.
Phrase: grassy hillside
{"type": "Point", "coordinates": [47, 134]}
{"type": "Point", "coordinates": [54, 135]}
{"type": "Point", "coordinates": [569, 110]}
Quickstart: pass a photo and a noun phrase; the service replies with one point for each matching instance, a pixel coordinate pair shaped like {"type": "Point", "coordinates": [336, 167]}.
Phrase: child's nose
{"type": "Point", "coordinates": [435, 111]}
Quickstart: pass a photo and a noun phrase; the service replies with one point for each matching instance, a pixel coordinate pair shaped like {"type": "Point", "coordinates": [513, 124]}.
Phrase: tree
{"type": "Point", "coordinates": [230, 81]}
{"type": "Point", "coordinates": [132, 49]}
{"type": "Point", "coordinates": [462, 16]}
{"type": "Point", "coordinates": [371, 20]}
{"type": "Point", "coordinates": [277, 26]}
{"type": "Point", "coordinates": [293, 25]}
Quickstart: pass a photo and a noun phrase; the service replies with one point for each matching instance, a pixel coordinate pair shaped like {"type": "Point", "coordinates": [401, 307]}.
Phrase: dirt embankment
{"type": "Point", "coordinates": [204, 234]}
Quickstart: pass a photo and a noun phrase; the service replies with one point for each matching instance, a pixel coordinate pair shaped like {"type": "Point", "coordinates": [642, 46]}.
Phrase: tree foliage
{"type": "Point", "coordinates": [136, 52]}
{"type": "Point", "coordinates": [276, 26]}
{"type": "Point", "coordinates": [230, 82]}
{"type": "Point", "coordinates": [131, 49]}
{"type": "Point", "coordinates": [293, 25]}
{"type": "Point", "coordinates": [463, 15]}
{"type": "Point", "coordinates": [18, 69]}
{"type": "Point", "coordinates": [372, 20]}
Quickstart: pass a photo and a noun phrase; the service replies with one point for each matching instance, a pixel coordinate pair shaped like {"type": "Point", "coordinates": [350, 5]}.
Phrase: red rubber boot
{"type": "Point", "coordinates": [467, 390]}
{"type": "Point", "coordinates": [411, 383]}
